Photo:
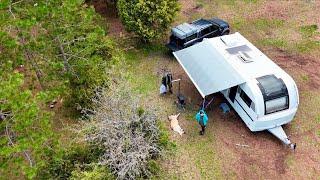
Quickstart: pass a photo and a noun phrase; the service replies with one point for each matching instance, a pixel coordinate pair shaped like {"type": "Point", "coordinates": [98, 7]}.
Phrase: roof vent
{"type": "Point", "coordinates": [244, 57]}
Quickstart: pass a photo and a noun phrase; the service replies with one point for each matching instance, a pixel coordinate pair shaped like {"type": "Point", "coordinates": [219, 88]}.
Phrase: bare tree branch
{"type": "Point", "coordinates": [27, 156]}
{"type": "Point", "coordinates": [10, 10]}
{"type": "Point", "coordinates": [128, 134]}
{"type": "Point", "coordinates": [65, 60]}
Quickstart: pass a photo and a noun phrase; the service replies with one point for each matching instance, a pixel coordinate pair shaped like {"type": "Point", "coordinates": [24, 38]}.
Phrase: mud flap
{"type": "Point", "coordinates": [280, 134]}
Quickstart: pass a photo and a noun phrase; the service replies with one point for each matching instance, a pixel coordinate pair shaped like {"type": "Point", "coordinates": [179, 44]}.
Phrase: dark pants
{"type": "Point", "coordinates": [203, 128]}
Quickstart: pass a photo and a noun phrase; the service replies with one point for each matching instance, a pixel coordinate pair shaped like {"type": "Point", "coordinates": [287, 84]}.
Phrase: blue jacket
{"type": "Point", "coordinates": [205, 117]}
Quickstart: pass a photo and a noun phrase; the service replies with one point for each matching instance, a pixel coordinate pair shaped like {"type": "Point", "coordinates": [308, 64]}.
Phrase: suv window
{"type": "Point", "coordinates": [206, 31]}
{"type": "Point", "coordinates": [194, 36]}
{"type": "Point", "coordinates": [214, 27]}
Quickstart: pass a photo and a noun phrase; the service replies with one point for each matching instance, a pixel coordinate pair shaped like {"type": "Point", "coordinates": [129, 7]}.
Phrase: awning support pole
{"type": "Point", "coordinates": [204, 100]}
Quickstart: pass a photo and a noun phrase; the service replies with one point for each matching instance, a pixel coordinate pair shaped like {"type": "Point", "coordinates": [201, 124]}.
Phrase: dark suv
{"type": "Point", "coordinates": [186, 34]}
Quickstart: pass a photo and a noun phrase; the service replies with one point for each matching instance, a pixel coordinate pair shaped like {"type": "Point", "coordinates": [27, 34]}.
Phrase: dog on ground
{"type": "Point", "coordinates": [174, 124]}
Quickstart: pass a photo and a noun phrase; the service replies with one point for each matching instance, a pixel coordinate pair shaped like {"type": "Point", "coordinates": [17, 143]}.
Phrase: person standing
{"type": "Point", "coordinates": [202, 119]}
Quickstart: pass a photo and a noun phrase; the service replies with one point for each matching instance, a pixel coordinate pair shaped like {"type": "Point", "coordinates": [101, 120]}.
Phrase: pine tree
{"type": "Point", "coordinates": [149, 19]}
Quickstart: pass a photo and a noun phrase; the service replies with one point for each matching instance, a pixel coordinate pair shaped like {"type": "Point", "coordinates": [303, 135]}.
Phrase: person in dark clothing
{"type": "Point", "coordinates": [169, 82]}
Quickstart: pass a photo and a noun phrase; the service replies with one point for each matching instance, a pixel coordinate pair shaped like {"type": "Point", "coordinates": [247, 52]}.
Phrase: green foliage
{"type": "Point", "coordinates": [153, 167]}
{"type": "Point", "coordinates": [94, 172]}
{"type": "Point", "coordinates": [47, 49]}
{"type": "Point", "coordinates": [73, 160]}
{"type": "Point", "coordinates": [149, 19]}
{"type": "Point", "coordinates": [63, 46]}
{"type": "Point", "coordinates": [164, 139]}
{"type": "Point", "coordinates": [26, 136]}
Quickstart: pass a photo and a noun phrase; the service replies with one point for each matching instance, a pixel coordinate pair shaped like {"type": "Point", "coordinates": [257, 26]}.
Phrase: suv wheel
{"type": "Point", "coordinates": [226, 32]}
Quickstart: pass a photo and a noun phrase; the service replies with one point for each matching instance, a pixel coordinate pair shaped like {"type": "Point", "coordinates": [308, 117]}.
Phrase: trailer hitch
{"type": "Point", "coordinates": [293, 146]}
{"type": "Point", "coordinates": [281, 135]}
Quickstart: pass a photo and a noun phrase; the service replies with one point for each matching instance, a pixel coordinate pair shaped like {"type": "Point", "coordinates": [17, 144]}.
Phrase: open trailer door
{"type": "Point", "coordinates": [209, 71]}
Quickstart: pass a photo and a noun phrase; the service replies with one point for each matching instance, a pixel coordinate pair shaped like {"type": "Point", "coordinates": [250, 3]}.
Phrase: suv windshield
{"type": "Point", "coordinates": [274, 92]}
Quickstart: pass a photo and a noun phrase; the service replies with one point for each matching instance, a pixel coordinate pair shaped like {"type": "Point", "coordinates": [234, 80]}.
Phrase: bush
{"type": "Point", "coordinates": [129, 134]}
{"type": "Point", "coordinates": [70, 161]}
{"type": "Point", "coordinates": [94, 172]}
{"type": "Point", "coordinates": [149, 19]}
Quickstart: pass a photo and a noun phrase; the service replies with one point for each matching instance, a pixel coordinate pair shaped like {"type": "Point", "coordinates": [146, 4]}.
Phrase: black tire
{"type": "Point", "coordinates": [226, 32]}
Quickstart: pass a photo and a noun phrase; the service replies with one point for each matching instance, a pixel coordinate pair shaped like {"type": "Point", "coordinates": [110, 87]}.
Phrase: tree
{"type": "Point", "coordinates": [149, 19]}
{"type": "Point", "coordinates": [62, 44]}
{"type": "Point", "coordinates": [26, 137]}
{"type": "Point", "coordinates": [47, 49]}
{"type": "Point", "coordinates": [128, 135]}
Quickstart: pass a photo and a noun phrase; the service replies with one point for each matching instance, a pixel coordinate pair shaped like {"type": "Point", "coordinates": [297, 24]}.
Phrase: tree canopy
{"type": "Point", "coordinates": [149, 19]}
{"type": "Point", "coordinates": [48, 50]}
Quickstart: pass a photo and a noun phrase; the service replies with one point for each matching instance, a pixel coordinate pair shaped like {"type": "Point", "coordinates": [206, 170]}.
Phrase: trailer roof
{"type": "Point", "coordinates": [219, 63]}
{"type": "Point", "coordinates": [207, 69]}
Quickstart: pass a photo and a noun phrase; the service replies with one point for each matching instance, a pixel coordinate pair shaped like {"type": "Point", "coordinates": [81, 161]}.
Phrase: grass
{"type": "Point", "coordinates": [139, 75]}
{"type": "Point", "coordinates": [289, 161]}
{"type": "Point", "coordinates": [278, 43]}
{"type": "Point", "coordinates": [264, 24]}
{"type": "Point", "coordinates": [307, 45]}
{"type": "Point", "coordinates": [309, 30]}
{"type": "Point", "coordinates": [196, 157]}
{"type": "Point", "coordinates": [305, 77]}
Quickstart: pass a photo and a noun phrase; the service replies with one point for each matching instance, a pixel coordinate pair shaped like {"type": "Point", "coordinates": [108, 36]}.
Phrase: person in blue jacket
{"type": "Point", "coordinates": [202, 119]}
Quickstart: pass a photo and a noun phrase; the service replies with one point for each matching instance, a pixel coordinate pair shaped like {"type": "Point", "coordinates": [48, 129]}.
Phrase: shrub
{"type": "Point", "coordinates": [70, 161]}
{"type": "Point", "coordinates": [95, 172]}
{"type": "Point", "coordinates": [128, 133]}
{"type": "Point", "coordinates": [149, 19]}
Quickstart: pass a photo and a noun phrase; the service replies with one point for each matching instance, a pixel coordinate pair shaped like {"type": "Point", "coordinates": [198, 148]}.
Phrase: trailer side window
{"type": "Point", "coordinates": [247, 100]}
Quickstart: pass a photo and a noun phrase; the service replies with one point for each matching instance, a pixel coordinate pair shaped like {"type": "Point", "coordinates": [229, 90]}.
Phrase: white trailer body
{"type": "Point", "coordinates": [264, 95]}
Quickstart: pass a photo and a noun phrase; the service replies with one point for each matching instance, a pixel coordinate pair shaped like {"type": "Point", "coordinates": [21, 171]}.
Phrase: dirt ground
{"type": "Point", "coordinates": [217, 155]}
{"type": "Point", "coordinates": [265, 157]}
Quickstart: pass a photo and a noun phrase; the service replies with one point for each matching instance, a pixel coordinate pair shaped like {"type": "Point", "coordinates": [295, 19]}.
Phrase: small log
{"type": "Point", "coordinates": [242, 145]}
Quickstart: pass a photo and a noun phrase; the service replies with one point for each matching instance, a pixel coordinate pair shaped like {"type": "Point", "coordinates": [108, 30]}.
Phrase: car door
{"type": "Point", "coordinates": [190, 40]}
{"type": "Point", "coordinates": [205, 33]}
{"type": "Point", "coordinates": [214, 31]}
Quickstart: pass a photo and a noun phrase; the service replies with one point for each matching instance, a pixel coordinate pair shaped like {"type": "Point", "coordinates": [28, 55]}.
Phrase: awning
{"type": "Point", "coordinates": [209, 71]}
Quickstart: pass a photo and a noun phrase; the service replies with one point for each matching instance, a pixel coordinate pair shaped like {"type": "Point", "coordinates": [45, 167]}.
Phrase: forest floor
{"type": "Point", "coordinates": [284, 31]}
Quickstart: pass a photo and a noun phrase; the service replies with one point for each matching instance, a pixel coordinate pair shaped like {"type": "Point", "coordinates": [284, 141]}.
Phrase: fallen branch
{"type": "Point", "coordinates": [242, 145]}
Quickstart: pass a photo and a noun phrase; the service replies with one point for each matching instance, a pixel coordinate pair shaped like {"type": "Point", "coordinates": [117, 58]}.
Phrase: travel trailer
{"type": "Point", "coordinates": [264, 95]}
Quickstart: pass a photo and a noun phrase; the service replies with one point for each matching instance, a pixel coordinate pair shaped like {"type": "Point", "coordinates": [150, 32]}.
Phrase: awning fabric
{"type": "Point", "coordinates": [209, 71]}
